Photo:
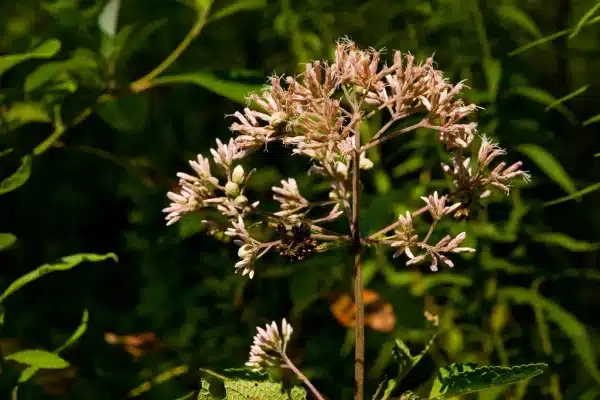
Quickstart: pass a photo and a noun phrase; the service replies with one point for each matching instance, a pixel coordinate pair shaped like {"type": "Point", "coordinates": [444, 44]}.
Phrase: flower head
{"type": "Point", "coordinates": [269, 346]}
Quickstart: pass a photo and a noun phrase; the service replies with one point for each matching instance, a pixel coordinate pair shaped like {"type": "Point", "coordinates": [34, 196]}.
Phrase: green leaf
{"type": "Point", "coordinates": [574, 196]}
{"type": "Point", "coordinates": [81, 63]}
{"type": "Point", "coordinates": [27, 374]}
{"type": "Point", "coordinates": [38, 358]}
{"type": "Point", "coordinates": [567, 97]}
{"type": "Point", "coordinates": [592, 120]}
{"type": "Point", "coordinates": [108, 18]}
{"type": "Point", "coordinates": [236, 7]}
{"type": "Point", "coordinates": [538, 42]}
{"type": "Point", "coordinates": [7, 240]}
{"type": "Point", "coordinates": [127, 113]}
{"type": "Point", "coordinates": [411, 164]}
{"type": "Point", "coordinates": [26, 112]}
{"type": "Point", "coordinates": [564, 241]}
{"type": "Point", "coordinates": [17, 179]}
{"type": "Point", "coordinates": [47, 49]}
{"type": "Point", "coordinates": [459, 379]}
{"type": "Point", "coordinates": [545, 98]}
{"type": "Point", "coordinates": [241, 389]}
{"type": "Point", "coordinates": [64, 264]}
{"type": "Point", "coordinates": [234, 91]}
{"type": "Point", "coordinates": [567, 323]}
{"type": "Point", "coordinates": [518, 17]}
{"type": "Point", "coordinates": [586, 17]}
{"type": "Point", "coordinates": [493, 73]}
{"type": "Point", "coordinates": [77, 334]}
{"type": "Point", "coordinates": [551, 167]}
{"type": "Point", "coordinates": [137, 39]}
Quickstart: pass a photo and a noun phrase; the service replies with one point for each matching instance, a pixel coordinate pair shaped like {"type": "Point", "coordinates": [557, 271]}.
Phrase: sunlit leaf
{"type": "Point", "coordinates": [586, 17]}
{"type": "Point", "coordinates": [592, 120]}
{"type": "Point", "coordinates": [17, 179]}
{"type": "Point", "coordinates": [545, 98]}
{"type": "Point", "coordinates": [567, 97]}
{"type": "Point", "coordinates": [574, 196]}
{"type": "Point", "coordinates": [108, 18]}
{"type": "Point", "coordinates": [518, 17]}
{"type": "Point", "coordinates": [460, 379]}
{"type": "Point", "coordinates": [234, 91]}
{"type": "Point", "coordinates": [567, 323]}
{"type": "Point", "coordinates": [38, 359]}
{"type": "Point", "coordinates": [47, 49]}
{"type": "Point", "coordinates": [7, 240]}
{"type": "Point", "coordinates": [237, 6]}
{"type": "Point", "coordinates": [566, 242]}
{"type": "Point", "coordinates": [63, 264]}
{"type": "Point", "coordinates": [77, 334]}
{"type": "Point", "coordinates": [26, 112]}
{"type": "Point", "coordinates": [549, 165]}
{"type": "Point", "coordinates": [239, 389]}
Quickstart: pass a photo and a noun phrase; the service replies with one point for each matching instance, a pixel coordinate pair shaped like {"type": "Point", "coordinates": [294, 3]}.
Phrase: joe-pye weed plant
{"type": "Point", "coordinates": [318, 115]}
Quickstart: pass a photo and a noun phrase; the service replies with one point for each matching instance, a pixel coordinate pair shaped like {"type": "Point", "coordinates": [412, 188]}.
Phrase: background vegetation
{"type": "Point", "coordinates": [103, 153]}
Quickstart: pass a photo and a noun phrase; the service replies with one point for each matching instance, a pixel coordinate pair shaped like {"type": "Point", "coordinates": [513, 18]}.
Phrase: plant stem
{"type": "Point", "coordinates": [302, 377]}
{"type": "Point", "coordinates": [395, 224]}
{"type": "Point", "coordinates": [359, 330]}
{"type": "Point", "coordinates": [379, 140]}
{"type": "Point", "coordinates": [145, 82]}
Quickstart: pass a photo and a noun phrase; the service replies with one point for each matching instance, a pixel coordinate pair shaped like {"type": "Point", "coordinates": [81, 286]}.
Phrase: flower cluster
{"type": "Point", "coordinates": [269, 346]}
{"type": "Point", "coordinates": [318, 115]}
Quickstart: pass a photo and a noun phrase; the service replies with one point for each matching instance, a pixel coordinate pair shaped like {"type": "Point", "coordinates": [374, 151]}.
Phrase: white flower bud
{"type": "Point", "coordinates": [232, 189]}
{"type": "Point", "coordinates": [341, 169]}
{"type": "Point", "coordinates": [238, 174]}
{"type": "Point", "coordinates": [244, 251]}
{"type": "Point", "coordinates": [240, 200]}
{"type": "Point", "coordinates": [278, 118]}
{"type": "Point", "coordinates": [364, 162]}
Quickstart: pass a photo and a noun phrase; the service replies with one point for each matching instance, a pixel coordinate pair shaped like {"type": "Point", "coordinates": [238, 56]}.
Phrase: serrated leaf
{"type": "Point", "coordinates": [544, 98]}
{"type": "Point", "coordinates": [47, 49]}
{"type": "Point", "coordinates": [17, 179]}
{"type": "Point", "coordinates": [240, 389]}
{"type": "Point", "coordinates": [234, 91]}
{"type": "Point", "coordinates": [7, 240]}
{"type": "Point", "coordinates": [566, 242]}
{"type": "Point", "coordinates": [459, 379]}
{"type": "Point", "coordinates": [567, 97]}
{"type": "Point", "coordinates": [574, 196]}
{"type": "Point", "coordinates": [592, 120]}
{"type": "Point", "coordinates": [518, 17]}
{"type": "Point", "coordinates": [551, 167]}
{"type": "Point", "coordinates": [64, 264]}
{"type": "Point", "coordinates": [567, 323]}
{"type": "Point", "coordinates": [236, 7]}
{"type": "Point", "coordinates": [108, 18]}
{"type": "Point", "coordinates": [586, 17]}
{"type": "Point", "coordinates": [39, 359]}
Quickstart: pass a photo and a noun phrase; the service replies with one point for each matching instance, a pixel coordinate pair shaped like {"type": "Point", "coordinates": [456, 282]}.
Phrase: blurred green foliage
{"type": "Point", "coordinates": [90, 145]}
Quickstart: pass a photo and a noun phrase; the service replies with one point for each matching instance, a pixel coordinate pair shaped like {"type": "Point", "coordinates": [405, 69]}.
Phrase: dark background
{"type": "Point", "coordinates": [102, 186]}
